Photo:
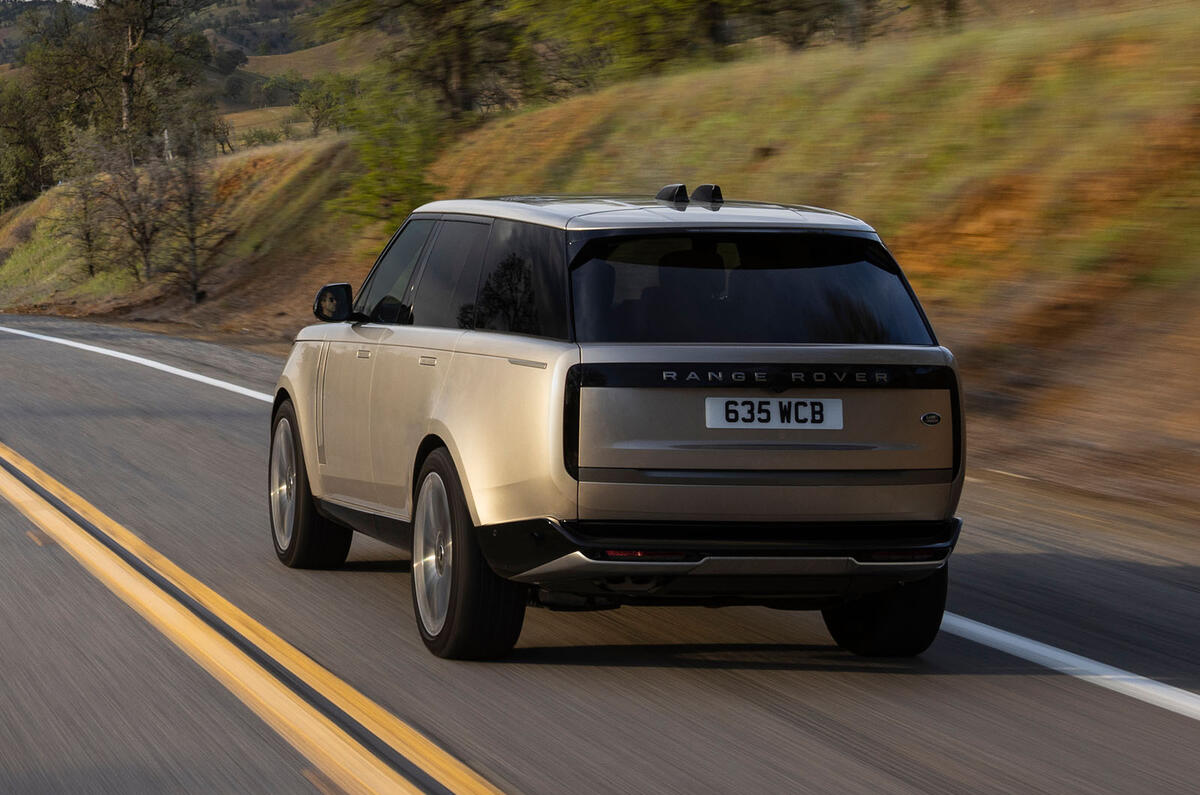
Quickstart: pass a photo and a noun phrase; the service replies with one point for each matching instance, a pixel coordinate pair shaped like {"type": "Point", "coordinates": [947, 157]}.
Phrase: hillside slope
{"type": "Point", "coordinates": [1039, 182]}
{"type": "Point", "coordinates": [344, 56]}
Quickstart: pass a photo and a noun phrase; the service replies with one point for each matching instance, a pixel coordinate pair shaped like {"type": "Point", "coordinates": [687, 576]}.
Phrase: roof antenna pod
{"type": "Point", "coordinates": [708, 194]}
{"type": "Point", "coordinates": [676, 193]}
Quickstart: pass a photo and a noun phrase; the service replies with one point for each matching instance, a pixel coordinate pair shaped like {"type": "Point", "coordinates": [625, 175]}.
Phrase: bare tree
{"type": "Point", "coordinates": [80, 224]}
{"type": "Point", "coordinates": [135, 199]}
{"type": "Point", "coordinates": [223, 133]}
{"type": "Point", "coordinates": [196, 228]}
{"type": "Point", "coordinates": [79, 221]}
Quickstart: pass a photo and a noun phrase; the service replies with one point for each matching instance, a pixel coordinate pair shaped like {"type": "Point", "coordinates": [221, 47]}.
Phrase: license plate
{"type": "Point", "coordinates": [799, 413]}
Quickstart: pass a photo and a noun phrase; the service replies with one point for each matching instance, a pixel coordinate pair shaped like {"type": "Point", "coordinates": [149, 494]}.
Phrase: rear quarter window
{"type": "Point", "coordinates": [522, 289]}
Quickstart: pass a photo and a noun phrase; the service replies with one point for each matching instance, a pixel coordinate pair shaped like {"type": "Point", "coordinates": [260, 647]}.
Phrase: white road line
{"type": "Point", "coordinates": [129, 357]}
{"type": "Point", "coordinates": [1010, 474]}
{"type": "Point", "coordinates": [1175, 699]}
{"type": "Point", "coordinates": [1150, 691]}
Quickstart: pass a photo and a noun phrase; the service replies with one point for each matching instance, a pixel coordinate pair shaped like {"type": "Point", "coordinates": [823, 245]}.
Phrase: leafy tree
{"type": "Point", "coordinates": [455, 49]}
{"type": "Point", "coordinates": [28, 137]}
{"type": "Point", "coordinates": [119, 69]}
{"type": "Point", "coordinates": [398, 133]}
{"type": "Point", "coordinates": [324, 101]}
{"type": "Point", "coordinates": [622, 38]}
{"type": "Point", "coordinates": [139, 28]}
{"type": "Point", "coordinates": [288, 84]}
{"type": "Point", "coordinates": [226, 61]}
{"type": "Point", "coordinates": [793, 23]}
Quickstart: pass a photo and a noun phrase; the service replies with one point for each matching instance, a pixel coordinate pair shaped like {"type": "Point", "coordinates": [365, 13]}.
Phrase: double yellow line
{"type": "Point", "coordinates": [358, 745]}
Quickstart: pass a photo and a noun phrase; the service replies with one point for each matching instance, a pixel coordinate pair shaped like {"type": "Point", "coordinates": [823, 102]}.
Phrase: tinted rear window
{"type": "Point", "coordinates": [748, 287]}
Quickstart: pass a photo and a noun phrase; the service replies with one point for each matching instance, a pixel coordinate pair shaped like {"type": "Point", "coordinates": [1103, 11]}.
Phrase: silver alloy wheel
{"type": "Point", "coordinates": [283, 484]}
{"type": "Point", "coordinates": [433, 554]}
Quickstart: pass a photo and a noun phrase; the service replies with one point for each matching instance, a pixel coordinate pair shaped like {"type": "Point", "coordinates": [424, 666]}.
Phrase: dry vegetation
{"type": "Point", "coordinates": [344, 56]}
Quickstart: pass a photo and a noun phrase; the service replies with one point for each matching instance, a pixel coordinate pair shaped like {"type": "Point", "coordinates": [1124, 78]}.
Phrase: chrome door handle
{"type": "Point", "coordinates": [364, 353]}
{"type": "Point", "coordinates": [428, 361]}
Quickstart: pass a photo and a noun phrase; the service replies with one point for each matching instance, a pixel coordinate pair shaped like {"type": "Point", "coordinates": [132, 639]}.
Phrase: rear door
{"type": "Point", "coordinates": [343, 436]}
{"type": "Point", "coordinates": [415, 354]}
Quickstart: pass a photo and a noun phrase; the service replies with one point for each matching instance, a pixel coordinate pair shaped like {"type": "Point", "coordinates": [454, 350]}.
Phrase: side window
{"type": "Point", "coordinates": [445, 295]}
{"type": "Point", "coordinates": [382, 296]}
{"type": "Point", "coordinates": [522, 288]}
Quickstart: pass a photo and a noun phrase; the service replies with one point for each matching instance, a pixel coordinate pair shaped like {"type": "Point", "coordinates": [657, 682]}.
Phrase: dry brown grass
{"type": "Point", "coordinates": [344, 56]}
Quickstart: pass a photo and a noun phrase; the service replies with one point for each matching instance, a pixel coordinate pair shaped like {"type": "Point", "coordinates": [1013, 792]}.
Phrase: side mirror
{"type": "Point", "coordinates": [333, 303]}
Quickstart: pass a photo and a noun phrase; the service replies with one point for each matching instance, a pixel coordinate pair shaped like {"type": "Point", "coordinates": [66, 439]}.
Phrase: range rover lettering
{"type": "Point", "coordinates": [586, 402]}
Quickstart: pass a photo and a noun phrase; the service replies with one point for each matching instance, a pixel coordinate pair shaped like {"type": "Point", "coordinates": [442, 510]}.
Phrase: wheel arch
{"type": "Point", "coordinates": [281, 394]}
{"type": "Point", "coordinates": [432, 441]}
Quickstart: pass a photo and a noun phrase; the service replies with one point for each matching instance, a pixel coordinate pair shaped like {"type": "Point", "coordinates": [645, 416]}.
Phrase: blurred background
{"type": "Point", "coordinates": [202, 167]}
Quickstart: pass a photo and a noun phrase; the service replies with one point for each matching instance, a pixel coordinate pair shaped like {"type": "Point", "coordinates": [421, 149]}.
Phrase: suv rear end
{"type": "Point", "coordinates": [761, 415]}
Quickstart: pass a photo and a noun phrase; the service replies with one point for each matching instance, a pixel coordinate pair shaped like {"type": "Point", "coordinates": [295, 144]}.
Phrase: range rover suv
{"type": "Point", "coordinates": [586, 402]}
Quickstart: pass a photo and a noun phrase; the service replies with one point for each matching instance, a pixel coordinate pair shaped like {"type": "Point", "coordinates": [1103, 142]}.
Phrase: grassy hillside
{"type": "Point", "coordinates": [1040, 182]}
{"type": "Point", "coordinates": [987, 154]}
{"type": "Point", "coordinates": [343, 56]}
{"type": "Point", "coordinates": [284, 247]}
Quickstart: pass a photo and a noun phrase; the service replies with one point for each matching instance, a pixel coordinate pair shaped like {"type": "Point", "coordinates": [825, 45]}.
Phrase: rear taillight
{"type": "Point", "coordinates": [571, 421]}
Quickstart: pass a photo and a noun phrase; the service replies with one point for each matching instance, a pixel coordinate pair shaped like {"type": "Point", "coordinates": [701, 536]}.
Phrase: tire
{"type": "Point", "coordinates": [463, 609]}
{"type": "Point", "coordinates": [303, 539]}
{"type": "Point", "coordinates": [899, 622]}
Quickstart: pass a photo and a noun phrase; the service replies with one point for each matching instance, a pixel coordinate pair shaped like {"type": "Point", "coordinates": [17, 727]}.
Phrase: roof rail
{"type": "Point", "coordinates": [675, 193]}
{"type": "Point", "coordinates": [710, 194]}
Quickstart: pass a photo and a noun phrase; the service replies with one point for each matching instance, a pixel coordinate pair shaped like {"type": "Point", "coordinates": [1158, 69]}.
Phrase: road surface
{"type": "Point", "coordinates": [98, 695]}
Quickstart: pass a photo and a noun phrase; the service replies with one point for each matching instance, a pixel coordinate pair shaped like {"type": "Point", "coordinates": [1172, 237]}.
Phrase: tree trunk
{"type": "Point", "coordinates": [127, 80]}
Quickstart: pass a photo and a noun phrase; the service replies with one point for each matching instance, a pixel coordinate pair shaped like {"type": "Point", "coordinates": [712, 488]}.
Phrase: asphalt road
{"type": "Point", "coordinates": [92, 698]}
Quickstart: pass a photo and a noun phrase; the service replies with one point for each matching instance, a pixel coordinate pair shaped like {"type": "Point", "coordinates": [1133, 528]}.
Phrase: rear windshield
{"type": "Point", "coordinates": [743, 287]}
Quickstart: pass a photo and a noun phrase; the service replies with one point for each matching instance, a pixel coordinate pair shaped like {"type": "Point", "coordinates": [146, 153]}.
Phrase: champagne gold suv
{"type": "Point", "coordinates": [585, 402]}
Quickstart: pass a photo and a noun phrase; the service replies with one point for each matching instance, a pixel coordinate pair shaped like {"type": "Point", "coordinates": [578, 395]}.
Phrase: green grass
{"type": "Point", "coordinates": [40, 269]}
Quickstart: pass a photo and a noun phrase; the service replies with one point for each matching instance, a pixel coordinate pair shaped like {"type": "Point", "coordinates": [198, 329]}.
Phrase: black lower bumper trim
{"type": "Point", "coordinates": [517, 547]}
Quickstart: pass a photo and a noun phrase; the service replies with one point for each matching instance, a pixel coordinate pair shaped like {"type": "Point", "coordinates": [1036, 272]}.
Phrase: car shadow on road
{"type": "Point", "coordinates": [728, 656]}
{"type": "Point", "coordinates": [1142, 616]}
{"type": "Point", "coordinates": [377, 565]}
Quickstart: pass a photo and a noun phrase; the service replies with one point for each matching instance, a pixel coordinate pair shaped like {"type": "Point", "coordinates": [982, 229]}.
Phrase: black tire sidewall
{"type": "Point", "coordinates": [460, 528]}
{"type": "Point", "coordinates": [900, 622]}
{"type": "Point", "coordinates": [288, 555]}
{"type": "Point", "coordinates": [316, 542]}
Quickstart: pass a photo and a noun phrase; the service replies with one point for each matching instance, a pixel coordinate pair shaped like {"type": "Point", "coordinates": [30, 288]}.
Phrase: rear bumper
{"type": "Point", "coordinates": [741, 561]}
